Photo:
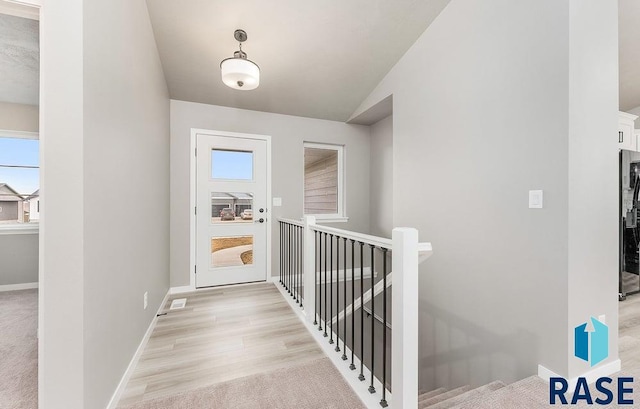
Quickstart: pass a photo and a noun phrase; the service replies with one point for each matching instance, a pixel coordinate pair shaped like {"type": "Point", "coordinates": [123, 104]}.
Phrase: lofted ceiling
{"type": "Point", "coordinates": [318, 59]}
{"type": "Point", "coordinates": [19, 56]}
{"type": "Point", "coordinates": [629, 54]}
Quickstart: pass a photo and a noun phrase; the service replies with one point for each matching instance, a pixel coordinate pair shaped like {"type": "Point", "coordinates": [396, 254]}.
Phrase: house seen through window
{"type": "Point", "coordinates": [19, 181]}
{"type": "Point", "coordinates": [323, 180]}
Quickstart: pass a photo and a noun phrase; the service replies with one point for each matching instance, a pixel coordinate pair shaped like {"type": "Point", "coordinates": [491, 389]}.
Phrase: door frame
{"type": "Point", "coordinates": [193, 190]}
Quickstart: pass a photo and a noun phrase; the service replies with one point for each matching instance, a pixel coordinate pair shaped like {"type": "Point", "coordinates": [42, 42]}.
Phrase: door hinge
{"type": "Point", "coordinates": [195, 269]}
{"type": "Point", "coordinates": [195, 210]}
{"type": "Point", "coordinates": [196, 151]}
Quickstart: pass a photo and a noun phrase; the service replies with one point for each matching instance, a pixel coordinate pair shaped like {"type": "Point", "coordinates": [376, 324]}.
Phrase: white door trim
{"type": "Point", "coordinates": [192, 196]}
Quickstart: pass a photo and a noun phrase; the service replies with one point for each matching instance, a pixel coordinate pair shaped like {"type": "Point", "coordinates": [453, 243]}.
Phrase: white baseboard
{"type": "Point", "coordinates": [180, 290]}
{"type": "Point", "coordinates": [115, 398]}
{"type": "Point", "coordinates": [591, 376]}
{"type": "Point", "coordinates": [16, 287]}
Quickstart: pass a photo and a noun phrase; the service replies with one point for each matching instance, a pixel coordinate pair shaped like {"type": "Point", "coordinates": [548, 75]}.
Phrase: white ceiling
{"type": "Point", "coordinates": [19, 59]}
{"type": "Point", "coordinates": [629, 43]}
{"type": "Point", "coordinates": [318, 59]}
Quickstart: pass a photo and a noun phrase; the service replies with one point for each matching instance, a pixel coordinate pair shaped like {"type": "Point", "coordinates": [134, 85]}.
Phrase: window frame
{"type": "Point", "coordinates": [341, 215]}
{"type": "Point", "coordinates": [20, 228]}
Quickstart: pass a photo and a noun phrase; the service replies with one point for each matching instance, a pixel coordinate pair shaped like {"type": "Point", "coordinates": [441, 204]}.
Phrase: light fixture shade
{"type": "Point", "coordinates": [240, 73]}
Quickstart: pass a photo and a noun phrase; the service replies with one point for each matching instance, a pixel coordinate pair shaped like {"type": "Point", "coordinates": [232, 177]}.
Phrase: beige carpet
{"type": "Point", "coordinates": [19, 349]}
{"type": "Point", "coordinates": [313, 385]}
{"type": "Point", "coordinates": [533, 393]}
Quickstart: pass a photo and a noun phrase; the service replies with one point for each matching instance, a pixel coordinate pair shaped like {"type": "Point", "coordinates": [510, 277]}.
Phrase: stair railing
{"type": "Point", "coordinates": [339, 274]}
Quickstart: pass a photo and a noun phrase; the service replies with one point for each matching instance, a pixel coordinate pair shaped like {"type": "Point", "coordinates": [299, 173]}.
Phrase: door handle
{"type": "Point", "coordinates": [620, 136]}
{"type": "Point", "coordinates": [260, 220]}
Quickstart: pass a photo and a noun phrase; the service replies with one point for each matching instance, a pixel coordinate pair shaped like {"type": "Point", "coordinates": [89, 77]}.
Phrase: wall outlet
{"type": "Point", "coordinates": [146, 299]}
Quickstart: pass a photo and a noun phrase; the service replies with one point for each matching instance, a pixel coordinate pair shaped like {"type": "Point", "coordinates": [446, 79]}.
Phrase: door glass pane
{"type": "Point", "coordinates": [231, 207]}
{"type": "Point", "coordinates": [231, 251]}
{"type": "Point", "coordinates": [231, 165]}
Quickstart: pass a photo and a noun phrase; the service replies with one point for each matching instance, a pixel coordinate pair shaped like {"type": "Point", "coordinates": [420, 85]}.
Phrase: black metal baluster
{"type": "Point", "coordinates": [320, 282]}
{"type": "Point", "coordinates": [296, 242]}
{"type": "Point", "coordinates": [284, 253]}
{"type": "Point", "coordinates": [325, 286]}
{"type": "Point", "coordinates": [361, 376]}
{"type": "Point", "coordinates": [280, 249]}
{"type": "Point", "coordinates": [331, 288]}
{"type": "Point", "coordinates": [353, 305]}
{"type": "Point", "coordinates": [383, 402]}
{"type": "Point", "coordinates": [291, 259]}
{"type": "Point", "coordinates": [337, 294]}
{"type": "Point", "coordinates": [301, 263]}
{"type": "Point", "coordinates": [288, 258]}
{"type": "Point", "coordinates": [372, 389]}
{"type": "Point", "coordinates": [315, 277]}
{"type": "Point", "coordinates": [300, 266]}
{"type": "Point", "coordinates": [344, 287]}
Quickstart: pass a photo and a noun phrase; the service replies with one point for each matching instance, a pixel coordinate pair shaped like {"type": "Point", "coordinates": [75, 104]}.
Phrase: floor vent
{"type": "Point", "coordinates": [178, 303]}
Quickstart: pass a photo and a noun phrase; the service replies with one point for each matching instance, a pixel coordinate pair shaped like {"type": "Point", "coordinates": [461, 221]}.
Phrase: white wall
{"type": "Point", "coordinates": [126, 157]}
{"type": "Point", "coordinates": [106, 140]}
{"type": "Point", "coordinates": [495, 297]}
{"type": "Point", "coordinates": [18, 117]}
{"type": "Point", "coordinates": [19, 255]}
{"type": "Point", "coordinates": [381, 178]}
{"type": "Point", "coordinates": [61, 295]}
{"type": "Point", "coordinates": [288, 135]}
{"type": "Point", "coordinates": [593, 167]}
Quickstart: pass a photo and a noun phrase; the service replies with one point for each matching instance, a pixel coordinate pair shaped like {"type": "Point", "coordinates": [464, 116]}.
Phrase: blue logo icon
{"type": "Point", "coordinates": [592, 344]}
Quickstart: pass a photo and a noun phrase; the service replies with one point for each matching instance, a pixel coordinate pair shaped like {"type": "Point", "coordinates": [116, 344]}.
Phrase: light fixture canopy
{"type": "Point", "coordinates": [238, 72]}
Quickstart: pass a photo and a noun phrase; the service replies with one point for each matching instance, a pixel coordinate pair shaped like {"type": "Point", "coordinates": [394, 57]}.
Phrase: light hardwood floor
{"type": "Point", "coordinates": [629, 317]}
{"type": "Point", "coordinates": [629, 332]}
{"type": "Point", "coordinates": [236, 331]}
{"type": "Point", "coordinates": [221, 334]}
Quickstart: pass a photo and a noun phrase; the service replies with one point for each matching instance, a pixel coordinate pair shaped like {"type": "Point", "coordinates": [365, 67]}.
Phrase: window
{"type": "Point", "coordinates": [324, 181]}
{"type": "Point", "coordinates": [19, 181]}
{"type": "Point", "coordinates": [231, 165]}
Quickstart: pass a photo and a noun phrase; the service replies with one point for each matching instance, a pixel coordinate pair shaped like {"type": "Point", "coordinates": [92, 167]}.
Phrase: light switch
{"type": "Point", "coordinates": [277, 201]}
{"type": "Point", "coordinates": [535, 199]}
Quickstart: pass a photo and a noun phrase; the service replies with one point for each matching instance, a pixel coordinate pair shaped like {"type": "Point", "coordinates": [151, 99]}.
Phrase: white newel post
{"type": "Point", "coordinates": [309, 268]}
{"type": "Point", "coordinates": [404, 336]}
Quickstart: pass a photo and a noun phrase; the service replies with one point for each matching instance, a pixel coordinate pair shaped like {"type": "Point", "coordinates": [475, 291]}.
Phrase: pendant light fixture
{"type": "Point", "coordinates": [238, 72]}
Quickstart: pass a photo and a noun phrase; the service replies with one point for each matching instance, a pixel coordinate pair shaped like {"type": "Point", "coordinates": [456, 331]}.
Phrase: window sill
{"type": "Point", "coordinates": [331, 219]}
{"type": "Point", "coordinates": [10, 229]}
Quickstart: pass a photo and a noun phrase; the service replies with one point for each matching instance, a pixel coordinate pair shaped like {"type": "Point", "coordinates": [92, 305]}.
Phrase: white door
{"type": "Point", "coordinates": [231, 213]}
